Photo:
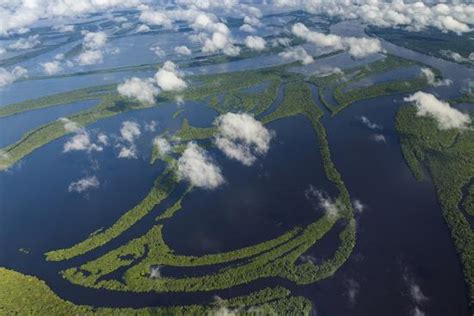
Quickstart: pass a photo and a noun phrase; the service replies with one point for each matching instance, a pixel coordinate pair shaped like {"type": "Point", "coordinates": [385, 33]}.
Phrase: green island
{"type": "Point", "coordinates": [448, 157]}
{"type": "Point", "coordinates": [128, 268]}
{"type": "Point", "coordinates": [27, 295]}
{"type": "Point", "coordinates": [338, 83]}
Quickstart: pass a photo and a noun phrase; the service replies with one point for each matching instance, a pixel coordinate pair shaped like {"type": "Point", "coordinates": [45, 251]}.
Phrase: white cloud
{"type": "Point", "coordinates": [25, 43]}
{"type": "Point", "coordinates": [70, 126]}
{"type": "Point", "coordinates": [370, 124]}
{"type": "Point", "coordinates": [255, 43]}
{"type": "Point", "coordinates": [358, 206]}
{"type": "Point", "coordinates": [432, 80]}
{"type": "Point", "coordinates": [156, 18]}
{"type": "Point", "coordinates": [151, 126]}
{"type": "Point", "coordinates": [90, 57]}
{"type": "Point", "coordinates": [321, 200]}
{"type": "Point", "coordinates": [143, 90]}
{"type": "Point", "coordinates": [84, 184]}
{"type": "Point", "coordinates": [413, 15]}
{"type": "Point", "coordinates": [241, 137]}
{"type": "Point", "coordinates": [158, 51]}
{"type": "Point", "coordinates": [162, 144]}
{"type": "Point", "coordinates": [94, 40]}
{"type": "Point", "coordinates": [182, 50]}
{"type": "Point", "coordinates": [130, 131]}
{"type": "Point", "coordinates": [128, 152]}
{"type": "Point", "coordinates": [168, 78]}
{"type": "Point", "coordinates": [196, 167]}
{"type": "Point", "coordinates": [358, 46]}
{"type": "Point", "coordinates": [379, 138]}
{"type": "Point", "coordinates": [446, 116]}
{"type": "Point", "coordinates": [52, 67]}
{"type": "Point", "coordinates": [247, 28]}
{"type": "Point", "coordinates": [103, 139]}
{"type": "Point", "coordinates": [8, 77]}
{"type": "Point", "coordinates": [298, 54]}
{"type": "Point", "coordinates": [64, 28]}
{"type": "Point", "coordinates": [143, 28]}
{"type": "Point", "coordinates": [81, 142]}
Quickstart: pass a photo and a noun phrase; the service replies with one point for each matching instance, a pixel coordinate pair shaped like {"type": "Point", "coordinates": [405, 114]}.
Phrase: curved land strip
{"type": "Point", "coordinates": [27, 295]}
{"type": "Point", "coordinates": [337, 82]}
{"type": "Point", "coordinates": [448, 156]}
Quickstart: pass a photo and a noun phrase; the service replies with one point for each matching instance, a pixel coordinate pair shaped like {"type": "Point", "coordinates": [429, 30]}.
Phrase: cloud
{"type": "Point", "coordinates": [130, 131]}
{"type": "Point", "coordinates": [168, 78]}
{"type": "Point", "coordinates": [446, 116]}
{"type": "Point", "coordinates": [81, 142]}
{"type": "Point", "coordinates": [358, 47]}
{"type": "Point", "coordinates": [247, 28]}
{"type": "Point", "coordinates": [84, 184]}
{"type": "Point", "coordinates": [320, 200]}
{"type": "Point", "coordinates": [432, 80]}
{"type": "Point", "coordinates": [299, 54]}
{"type": "Point", "coordinates": [196, 167]}
{"type": "Point", "coordinates": [370, 124]}
{"type": "Point", "coordinates": [94, 40]}
{"type": "Point", "coordinates": [90, 57]}
{"type": "Point", "coordinates": [413, 15]}
{"type": "Point", "coordinates": [25, 43]}
{"type": "Point", "coordinates": [64, 28]}
{"type": "Point", "coordinates": [157, 18]}
{"type": "Point", "coordinates": [255, 43]}
{"type": "Point", "coordinates": [155, 272]}
{"type": "Point", "coordinates": [52, 67]}
{"type": "Point", "coordinates": [353, 288]}
{"type": "Point", "coordinates": [417, 297]}
{"type": "Point", "coordinates": [8, 77]}
{"type": "Point", "coordinates": [70, 126]}
{"type": "Point", "coordinates": [143, 90]}
{"type": "Point", "coordinates": [162, 144]}
{"type": "Point", "coordinates": [17, 15]}
{"type": "Point", "coordinates": [158, 51]}
{"type": "Point", "coordinates": [358, 206]}
{"type": "Point", "coordinates": [379, 138]}
{"type": "Point", "coordinates": [127, 152]}
{"type": "Point", "coordinates": [143, 28]}
{"type": "Point", "coordinates": [182, 50]}
{"type": "Point", "coordinates": [241, 137]}
{"type": "Point", "coordinates": [103, 139]}
{"type": "Point", "coordinates": [151, 126]}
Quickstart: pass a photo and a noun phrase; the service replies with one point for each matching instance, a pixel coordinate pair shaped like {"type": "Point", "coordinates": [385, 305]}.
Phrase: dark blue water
{"type": "Point", "coordinates": [13, 127]}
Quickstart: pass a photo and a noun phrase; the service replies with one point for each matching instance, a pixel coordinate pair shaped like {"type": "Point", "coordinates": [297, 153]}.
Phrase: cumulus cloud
{"type": "Point", "coordinates": [103, 139]}
{"type": "Point", "coordinates": [94, 40]}
{"type": "Point", "coordinates": [157, 18]}
{"type": "Point", "coordinates": [158, 51]}
{"type": "Point", "coordinates": [358, 47]}
{"type": "Point", "coordinates": [182, 50]}
{"type": "Point", "coordinates": [358, 206]}
{"type": "Point", "coordinates": [413, 15]}
{"type": "Point", "coordinates": [8, 77]}
{"type": "Point", "coordinates": [168, 78]}
{"type": "Point", "coordinates": [25, 43]}
{"type": "Point", "coordinates": [297, 54]}
{"type": "Point", "coordinates": [143, 28]}
{"type": "Point", "coordinates": [446, 116]}
{"type": "Point", "coordinates": [370, 124]}
{"type": "Point", "coordinates": [64, 28]}
{"type": "Point", "coordinates": [130, 131]}
{"type": "Point", "coordinates": [255, 43]}
{"type": "Point", "coordinates": [127, 152]}
{"type": "Point", "coordinates": [52, 67]}
{"type": "Point", "coordinates": [84, 184]}
{"type": "Point", "coordinates": [144, 90]}
{"type": "Point", "coordinates": [17, 15]}
{"type": "Point", "coordinates": [353, 288]}
{"type": "Point", "coordinates": [247, 28]}
{"type": "Point", "coordinates": [70, 126]}
{"type": "Point", "coordinates": [81, 142]}
{"type": "Point", "coordinates": [151, 126]}
{"type": "Point", "coordinates": [432, 80]}
{"type": "Point", "coordinates": [196, 167]}
{"type": "Point", "coordinates": [241, 137]}
{"type": "Point", "coordinates": [90, 57]}
{"type": "Point", "coordinates": [162, 144]}
{"type": "Point", "coordinates": [379, 138]}
{"type": "Point", "coordinates": [320, 200]}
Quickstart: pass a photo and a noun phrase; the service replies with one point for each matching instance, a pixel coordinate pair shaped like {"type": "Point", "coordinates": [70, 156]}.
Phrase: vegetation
{"type": "Point", "coordinates": [27, 295]}
{"type": "Point", "coordinates": [162, 188]}
{"type": "Point", "coordinates": [448, 157]}
{"type": "Point", "coordinates": [339, 82]}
